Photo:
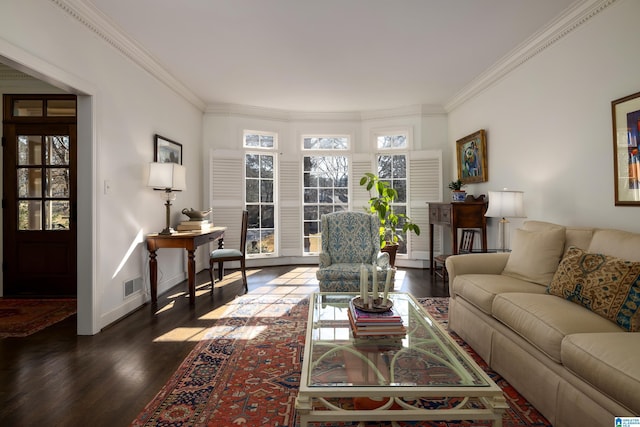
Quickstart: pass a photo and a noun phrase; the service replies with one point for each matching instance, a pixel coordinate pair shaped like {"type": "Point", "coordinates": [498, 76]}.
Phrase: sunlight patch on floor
{"type": "Point", "coordinates": [182, 334]}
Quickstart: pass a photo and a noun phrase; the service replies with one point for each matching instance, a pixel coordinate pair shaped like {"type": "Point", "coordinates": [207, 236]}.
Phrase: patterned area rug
{"type": "Point", "coordinates": [22, 317]}
{"type": "Point", "coordinates": [246, 372]}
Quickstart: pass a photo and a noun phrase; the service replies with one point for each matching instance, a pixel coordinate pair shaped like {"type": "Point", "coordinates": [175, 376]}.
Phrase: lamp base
{"type": "Point", "coordinates": [167, 231]}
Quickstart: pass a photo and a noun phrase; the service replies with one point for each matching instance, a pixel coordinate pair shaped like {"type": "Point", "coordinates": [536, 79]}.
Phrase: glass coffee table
{"type": "Point", "coordinates": [423, 375]}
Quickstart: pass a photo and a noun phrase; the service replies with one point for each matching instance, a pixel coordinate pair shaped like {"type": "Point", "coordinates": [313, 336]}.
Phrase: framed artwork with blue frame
{"type": "Point", "coordinates": [625, 115]}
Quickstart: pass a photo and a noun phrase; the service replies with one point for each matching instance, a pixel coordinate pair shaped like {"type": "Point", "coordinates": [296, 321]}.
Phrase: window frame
{"type": "Point", "coordinates": [345, 152]}
{"type": "Point", "coordinates": [262, 151]}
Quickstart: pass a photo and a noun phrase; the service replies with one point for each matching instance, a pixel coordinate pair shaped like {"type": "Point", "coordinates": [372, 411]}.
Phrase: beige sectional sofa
{"type": "Point", "coordinates": [557, 318]}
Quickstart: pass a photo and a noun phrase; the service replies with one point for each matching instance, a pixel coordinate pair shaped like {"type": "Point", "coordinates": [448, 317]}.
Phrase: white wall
{"type": "Point", "coordinates": [549, 130]}
{"type": "Point", "coordinates": [127, 107]}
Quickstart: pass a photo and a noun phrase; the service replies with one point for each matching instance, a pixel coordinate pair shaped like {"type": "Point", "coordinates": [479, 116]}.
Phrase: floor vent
{"type": "Point", "coordinates": [132, 286]}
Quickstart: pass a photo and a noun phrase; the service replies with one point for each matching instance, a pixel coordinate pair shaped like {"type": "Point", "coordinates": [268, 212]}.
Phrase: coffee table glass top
{"type": "Point", "coordinates": [425, 357]}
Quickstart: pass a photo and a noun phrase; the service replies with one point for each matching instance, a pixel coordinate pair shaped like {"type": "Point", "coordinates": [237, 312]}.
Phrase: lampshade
{"type": "Point", "coordinates": [163, 176]}
{"type": "Point", "coordinates": [506, 204]}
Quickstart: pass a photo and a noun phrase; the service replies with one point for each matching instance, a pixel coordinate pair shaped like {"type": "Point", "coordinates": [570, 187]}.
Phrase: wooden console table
{"type": "Point", "coordinates": [468, 214]}
{"type": "Point", "coordinates": [182, 240]}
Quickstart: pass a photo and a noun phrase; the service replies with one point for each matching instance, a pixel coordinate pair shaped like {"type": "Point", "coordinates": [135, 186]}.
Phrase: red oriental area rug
{"type": "Point", "coordinates": [246, 372]}
{"type": "Point", "coordinates": [23, 317]}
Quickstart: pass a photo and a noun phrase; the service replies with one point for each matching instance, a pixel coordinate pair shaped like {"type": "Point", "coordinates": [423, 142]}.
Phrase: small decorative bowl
{"type": "Point", "coordinates": [195, 215]}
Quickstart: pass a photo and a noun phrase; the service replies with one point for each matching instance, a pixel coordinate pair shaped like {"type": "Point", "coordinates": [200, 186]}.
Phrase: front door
{"type": "Point", "coordinates": [39, 203]}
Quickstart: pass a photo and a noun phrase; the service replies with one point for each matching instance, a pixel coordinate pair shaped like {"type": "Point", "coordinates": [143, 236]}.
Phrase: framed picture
{"type": "Point", "coordinates": [166, 150]}
{"type": "Point", "coordinates": [472, 158]}
{"type": "Point", "coordinates": [625, 114]}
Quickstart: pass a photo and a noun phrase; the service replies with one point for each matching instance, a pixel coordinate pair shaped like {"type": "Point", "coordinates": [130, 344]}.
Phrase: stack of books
{"type": "Point", "coordinates": [203, 225]}
{"type": "Point", "coordinates": [368, 324]}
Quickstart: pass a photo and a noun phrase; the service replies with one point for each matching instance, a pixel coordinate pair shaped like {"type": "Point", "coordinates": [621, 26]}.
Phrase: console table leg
{"type": "Point", "coordinates": [153, 276]}
{"type": "Point", "coordinates": [192, 276]}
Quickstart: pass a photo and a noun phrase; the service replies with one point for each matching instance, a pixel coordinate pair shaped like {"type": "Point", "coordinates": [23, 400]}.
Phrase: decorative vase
{"type": "Point", "coordinates": [458, 196]}
{"type": "Point", "coordinates": [391, 249]}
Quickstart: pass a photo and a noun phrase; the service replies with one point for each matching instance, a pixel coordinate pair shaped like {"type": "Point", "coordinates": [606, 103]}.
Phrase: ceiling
{"type": "Point", "coordinates": [329, 55]}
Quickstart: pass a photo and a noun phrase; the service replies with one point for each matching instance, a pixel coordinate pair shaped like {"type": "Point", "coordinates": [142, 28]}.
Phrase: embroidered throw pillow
{"type": "Point", "coordinates": [604, 284]}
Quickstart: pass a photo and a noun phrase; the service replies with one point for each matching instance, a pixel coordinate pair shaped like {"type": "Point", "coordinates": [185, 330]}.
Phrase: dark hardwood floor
{"type": "Point", "coordinates": [56, 378]}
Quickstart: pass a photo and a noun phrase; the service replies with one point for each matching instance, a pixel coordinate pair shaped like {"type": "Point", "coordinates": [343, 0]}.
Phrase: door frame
{"type": "Point", "coordinates": [21, 60]}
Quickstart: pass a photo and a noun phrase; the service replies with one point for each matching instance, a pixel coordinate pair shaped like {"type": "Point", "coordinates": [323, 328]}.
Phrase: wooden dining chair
{"type": "Point", "coordinates": [220, 256]}
{"type": "Point", "coordinates": [466, 245]}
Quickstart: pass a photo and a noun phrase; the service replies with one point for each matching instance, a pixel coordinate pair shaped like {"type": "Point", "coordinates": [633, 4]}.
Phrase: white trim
{"type": "Point", "coordinates": [579, 13]}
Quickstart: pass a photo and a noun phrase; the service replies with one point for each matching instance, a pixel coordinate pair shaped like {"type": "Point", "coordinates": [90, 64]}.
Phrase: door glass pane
{"type": "Point", "coordinates": [61, 108]}
{"type": "Point", "coordinates": [57, 215]}
{"type": "Point", "coordinates": [27, 108]}
{"type": "Point", "coordinates": [29, 182]}
{"type": "Point", "coordinates": [29, 150]}
{"type": "Point", "coordinates": [57, 150]}
{"type": "Point", "coordinates": [29, 215]}
{"type": "Point", "coordinates": [58, 182]}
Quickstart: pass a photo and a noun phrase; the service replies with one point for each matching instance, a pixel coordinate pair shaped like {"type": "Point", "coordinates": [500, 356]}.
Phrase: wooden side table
{"type": "Point", "coordinates": [467, 214]}
{"type": "Point", "coordinates": [181, 240]}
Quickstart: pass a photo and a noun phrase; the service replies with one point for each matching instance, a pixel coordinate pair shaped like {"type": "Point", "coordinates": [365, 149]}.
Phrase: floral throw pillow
{"type": "Point", "coordinates": [606, 285]}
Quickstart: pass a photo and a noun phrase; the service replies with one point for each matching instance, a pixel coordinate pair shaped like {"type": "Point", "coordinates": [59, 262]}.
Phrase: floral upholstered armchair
{"type": "Point", "coordinates": [350, 239]}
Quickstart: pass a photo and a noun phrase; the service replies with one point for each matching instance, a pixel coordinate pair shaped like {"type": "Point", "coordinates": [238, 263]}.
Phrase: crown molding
{"type": "Point", "coordinates": [576, 15]}
{"type": "Point", "coordinates": [95, 21]}
{"type": "Point", "coordinates": [223, 110]}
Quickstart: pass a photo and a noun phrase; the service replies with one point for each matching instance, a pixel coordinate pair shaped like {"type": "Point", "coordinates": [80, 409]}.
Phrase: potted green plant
{"type": "Point", "coordinates": [458, 194]}
{"type": "Point", "coordinates": [381, 204]}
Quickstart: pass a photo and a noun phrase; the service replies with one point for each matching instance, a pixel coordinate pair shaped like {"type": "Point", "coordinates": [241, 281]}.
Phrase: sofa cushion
{"type": "Point", "coordinates": [481, 289]}
{"type": "Point", "coordinates": [535, 254]}
{"type": "Point", "coordinates": [617, 243]}
{"type": "Point", "coordinates": [608, 362]}
{"type": "Point", "coordinates": [606, 285]}
{"type": "Point", "coordinates": [574, 236]}
{"type": "Point", "coordinates": [544, 320]}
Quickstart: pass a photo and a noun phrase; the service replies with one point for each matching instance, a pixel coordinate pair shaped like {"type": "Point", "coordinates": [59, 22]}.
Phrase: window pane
{"type": "Point", "coordinates": [392, 141]}
{"type": "Point", "coordinates": [266, 166]}
{"type": "Point", "coordinates": [310, 195]}
{"type": "Point", "coordinates": [401, 187]}
{"type": "Point", "coordinates": [27, 108]}
{"type": "Point", "coordinates": [252, 191]}
{"type": "Point", "coordinates": [400, 166]}
{"type": "Point", "coordinates": [253, 239]}
{"type": "Point", "coordinates": [57, 215]}
{"type": "Point", "coordinates": [251, 140]}
{"type": "Point", "coordinates": [326, 143]}
{"type": "Point", "coordinates": [311, 212]}
{"type": "Point", "coordinates": [29, 182]}
{"type": "Point", "coordinates": [58, 182]}
{"type": "Point", "coordinates": [266, 141]}
{"type": "Point", "coordinates": [57, 153]}
{"type": "Point", "coordinates": [61, 108]}
{"type": "Point", "coordinates": [267, 212]}
{"type": "Point", "coordinates": [29, 215]}
{"type": "Point", "coordinates": [29, 150]}
{"type": "Point", "coordinates": [266, 191]}
{"type": "Point", "coordinates": [252, 166]}
{"type": "Point", "coordinates": [254, 216]}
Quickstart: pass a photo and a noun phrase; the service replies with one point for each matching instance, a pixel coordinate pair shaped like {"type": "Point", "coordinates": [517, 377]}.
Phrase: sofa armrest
{"type": "Point", "coordinates": [480, 263]}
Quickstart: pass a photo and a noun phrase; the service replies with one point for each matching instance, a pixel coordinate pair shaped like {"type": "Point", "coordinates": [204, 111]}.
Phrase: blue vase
{"type": "Point", "coordinates": [458, 196]}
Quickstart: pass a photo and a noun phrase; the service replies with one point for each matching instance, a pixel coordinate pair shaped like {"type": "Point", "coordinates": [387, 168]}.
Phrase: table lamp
{"type": "Point", "coordinates": [505, 204]}
{"type": "Point", "coordinates": [168, 178]}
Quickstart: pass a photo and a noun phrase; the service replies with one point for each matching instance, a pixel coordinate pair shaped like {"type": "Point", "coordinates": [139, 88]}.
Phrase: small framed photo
{"type": "Point", "coordinates": [472, 158]}
{"type": "Point", "coordinates": [166, 150]}
{"type": "Point", "coordinates": [625, 114]}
